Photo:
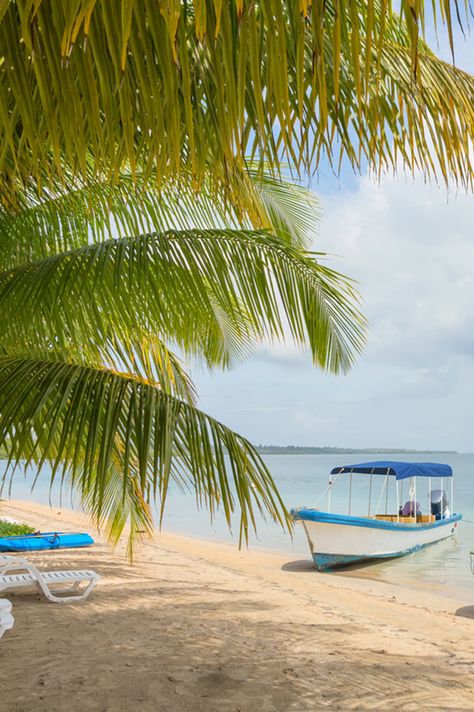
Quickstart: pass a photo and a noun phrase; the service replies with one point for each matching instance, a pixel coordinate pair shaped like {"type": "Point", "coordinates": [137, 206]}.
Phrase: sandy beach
{"type": "Point", "coordinates": [202, 627]}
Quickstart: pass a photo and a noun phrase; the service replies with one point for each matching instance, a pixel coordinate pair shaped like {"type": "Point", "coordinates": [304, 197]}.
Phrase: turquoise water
{"type": "Point", "coordinates": [443, 568]}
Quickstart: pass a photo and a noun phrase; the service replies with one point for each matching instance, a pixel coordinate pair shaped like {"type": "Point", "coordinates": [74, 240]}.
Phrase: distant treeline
{"type": "Point", "coordinates": [301, 450]}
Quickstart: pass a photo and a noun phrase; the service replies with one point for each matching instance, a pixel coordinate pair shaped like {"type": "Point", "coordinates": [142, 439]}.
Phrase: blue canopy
{"type": "Point", "coordinates": [399, 470]}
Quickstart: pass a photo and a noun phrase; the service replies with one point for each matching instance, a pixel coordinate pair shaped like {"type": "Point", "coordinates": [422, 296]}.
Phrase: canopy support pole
{"type": "Point", "coordinates": [386, 493]}
{"type": "Point", "coordinates": [452, 496]}
{"type": "Point", "coordinates": [329, 494]}
{"type": "Point", "coordinates": [370, 494]}
{"type": "Point", "coordinates": [429, 496]}
{"type": "Point", "coordinates": [414, 504]}
{"type": "Point", "coordinates": [441, 515]}
{"type": "Point", "coordinates": [382, 491]}
{"type": "Point", "coordinates": [350, 493]}
{"type": "Point", "coordinates": [398, 500]}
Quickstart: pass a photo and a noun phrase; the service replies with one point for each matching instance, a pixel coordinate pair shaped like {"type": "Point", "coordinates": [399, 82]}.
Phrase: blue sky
{"type": "Point", "coordinates": [411, 248]}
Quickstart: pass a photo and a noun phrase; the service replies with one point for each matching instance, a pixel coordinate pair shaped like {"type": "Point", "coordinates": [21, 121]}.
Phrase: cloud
{"type": "Point", "coordinates": [412, 252]}
{"type": "Point", "coordinates": [411, 247]}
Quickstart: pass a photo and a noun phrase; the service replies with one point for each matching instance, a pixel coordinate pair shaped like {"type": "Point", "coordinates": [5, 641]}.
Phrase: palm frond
{"type": "Point", "coordinates": [67, 219]}
{"type": "Point", "coordinates": [174, 87]}
{"type": "Point", "coordinates": [292, 211]}
{"type": "Point", "coordinates": [142, 354]}
{"type": "Point", "coordinates": [123, 504]}
{"type": "Point", "coordinates": [211, 292]}
{"type": "Point", "coordinates": [147, 357]}
{"type": "Point", "coordinates": [99, 430]}
{"type": "Point", "coordinates": [425, 126]}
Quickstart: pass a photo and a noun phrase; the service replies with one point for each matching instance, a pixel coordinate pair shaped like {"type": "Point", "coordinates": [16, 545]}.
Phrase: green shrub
{"type": "Point", "coordinates": [9, 529]}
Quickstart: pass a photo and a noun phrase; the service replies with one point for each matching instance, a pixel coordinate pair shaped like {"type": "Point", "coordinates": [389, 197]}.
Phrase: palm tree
{"type": "Point", "coordinates": [138, 225]}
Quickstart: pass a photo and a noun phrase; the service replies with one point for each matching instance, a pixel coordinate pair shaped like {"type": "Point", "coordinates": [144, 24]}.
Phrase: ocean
{"type": "Point", "coordinates": [442, 568]}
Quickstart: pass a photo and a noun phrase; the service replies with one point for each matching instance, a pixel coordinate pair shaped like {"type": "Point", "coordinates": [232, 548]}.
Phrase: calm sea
{"type": "Point", "coordinates": [442, 568]}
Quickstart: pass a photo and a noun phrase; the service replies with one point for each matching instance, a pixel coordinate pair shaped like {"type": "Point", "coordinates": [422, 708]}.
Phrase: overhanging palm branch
{"type": "Point", "coordinates": [107, 307]}
{"type": "Point", "coordinates": [140, 355]}
{"type": "Point", "coordinates": [426, 126]}
{"type": "Point", "coordinates": [100, 430]}
{"type": "Point", "coordinates": [191, 287]}
{"type": "Point", "coordinates": [122, 504]}
{"type": "Point", "coordinates": [112, 307]}
{"type": "Point", "coordinates": [66, 219]}
{"type": "Point", "coordinates": [161, 84]}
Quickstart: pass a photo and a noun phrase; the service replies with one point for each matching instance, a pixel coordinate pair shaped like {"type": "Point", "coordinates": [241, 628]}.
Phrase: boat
{"type": "Point", "coordinates": [342, 539]}
{"type": "Point", "coordinates": [45, 540]}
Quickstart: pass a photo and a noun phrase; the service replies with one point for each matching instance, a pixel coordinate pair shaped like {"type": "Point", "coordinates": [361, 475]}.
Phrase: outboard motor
{"type": "Point", "coordinates": [439, 503]}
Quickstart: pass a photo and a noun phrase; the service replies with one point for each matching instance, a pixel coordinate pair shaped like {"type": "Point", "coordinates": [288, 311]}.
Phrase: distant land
{"type": "Point", "coordinates": [301, 450]}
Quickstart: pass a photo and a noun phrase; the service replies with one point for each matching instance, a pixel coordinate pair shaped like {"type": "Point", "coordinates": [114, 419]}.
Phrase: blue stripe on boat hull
{"type": "Point", "coordinates": [315, 515]}
{"type": "Point", "coordinates": [332, 561]}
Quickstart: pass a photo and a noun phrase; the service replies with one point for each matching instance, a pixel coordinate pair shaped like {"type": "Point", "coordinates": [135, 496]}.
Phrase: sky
{"type": "Point", "coordinates": [410, 246]}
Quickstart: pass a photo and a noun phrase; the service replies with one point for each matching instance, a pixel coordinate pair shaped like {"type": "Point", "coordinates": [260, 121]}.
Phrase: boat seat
{"type": "Point", "coordinates": [420, 519]}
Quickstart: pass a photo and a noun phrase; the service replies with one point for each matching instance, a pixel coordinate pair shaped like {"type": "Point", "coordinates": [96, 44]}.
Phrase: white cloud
{"type": "Point", "coordinates": [412, 251]}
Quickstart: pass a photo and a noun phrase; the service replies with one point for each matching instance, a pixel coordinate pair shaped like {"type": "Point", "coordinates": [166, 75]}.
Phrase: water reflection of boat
{"type": "Point", "coordinates": [340, 539]}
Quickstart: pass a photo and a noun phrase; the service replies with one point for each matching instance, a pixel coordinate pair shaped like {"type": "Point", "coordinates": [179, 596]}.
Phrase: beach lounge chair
{"type": "Point", "coordinates": [56, 586]}
{"type": "Point", "coordinates": [6, 618]}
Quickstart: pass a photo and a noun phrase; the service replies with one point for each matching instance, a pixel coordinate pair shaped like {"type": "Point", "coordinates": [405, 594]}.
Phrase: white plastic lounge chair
{"type": "Point", "coordinates": [6, 618]}
{"type": "Point", "coordinates": [28, 575]}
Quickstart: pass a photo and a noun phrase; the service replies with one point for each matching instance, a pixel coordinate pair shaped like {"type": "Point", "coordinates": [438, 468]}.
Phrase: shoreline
{"type": "Point", "coordinates": [442, 569]}
{"type": "Point", "coordinates": [257, 559]}
{"type": "Point", "coordinates": [368, 573]}
{"type": "Point", "coordinates": [201, 625]}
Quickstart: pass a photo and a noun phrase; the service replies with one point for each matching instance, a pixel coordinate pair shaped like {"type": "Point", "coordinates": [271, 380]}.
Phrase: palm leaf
{"type": "Point", "coordinates": [81, 87]}
{"type": "Point", "coordinates": [122, 504]}
{"type": "Point", "coordinates": [67, 219]}
{"type": "Point", "coordinates": [211, 292]}
{"type": "Point", "coordinates": [100, 431]}
{"type": "Point", "coordinates": [148, 359]}
{"type": "Point", "coordinates": [292, 212]}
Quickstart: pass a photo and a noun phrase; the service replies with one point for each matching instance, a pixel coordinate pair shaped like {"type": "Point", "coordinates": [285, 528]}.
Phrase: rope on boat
{"type": "Point", "coordinates": [331, 483]}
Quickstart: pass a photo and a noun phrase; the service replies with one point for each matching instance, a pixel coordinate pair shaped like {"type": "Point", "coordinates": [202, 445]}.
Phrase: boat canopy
{"type": "Point", "coordinates": [399, 470]}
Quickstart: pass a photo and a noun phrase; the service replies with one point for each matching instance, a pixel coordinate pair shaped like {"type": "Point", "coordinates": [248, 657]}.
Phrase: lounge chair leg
{"type": "Point", "coordinates": [54, 598]}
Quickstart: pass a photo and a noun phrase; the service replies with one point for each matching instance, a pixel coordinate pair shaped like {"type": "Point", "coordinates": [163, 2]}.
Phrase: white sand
{"type": "Point", "coordinates": [197, 626]}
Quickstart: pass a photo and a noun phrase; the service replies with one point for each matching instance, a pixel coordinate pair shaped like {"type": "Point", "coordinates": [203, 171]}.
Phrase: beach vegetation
{"type": "Point", "coordinates": [14, 529]}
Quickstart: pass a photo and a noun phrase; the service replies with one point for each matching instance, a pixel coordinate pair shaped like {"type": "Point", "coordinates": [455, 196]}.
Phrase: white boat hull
{"type": "Point", "coordinates": [336, 540]}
